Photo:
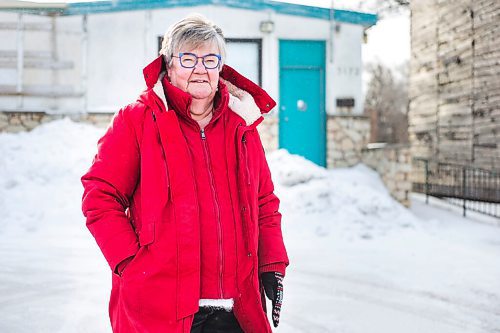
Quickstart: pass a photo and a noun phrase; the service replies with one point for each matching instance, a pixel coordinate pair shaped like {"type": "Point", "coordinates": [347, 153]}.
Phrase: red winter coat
{"type": "Point", "coordinates": [140, 200]}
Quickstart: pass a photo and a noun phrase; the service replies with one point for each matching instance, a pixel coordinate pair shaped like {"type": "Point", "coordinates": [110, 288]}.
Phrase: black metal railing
{"type": "Point", "coordinates": [472, 188]}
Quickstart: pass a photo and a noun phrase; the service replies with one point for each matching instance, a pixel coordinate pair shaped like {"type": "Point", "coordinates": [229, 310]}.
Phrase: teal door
{"type": "Point", "coordinates": [302, 119]}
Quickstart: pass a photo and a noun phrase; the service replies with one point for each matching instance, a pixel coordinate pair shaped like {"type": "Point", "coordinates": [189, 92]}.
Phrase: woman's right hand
{"type": "Point", "coordinates": [122, 265]}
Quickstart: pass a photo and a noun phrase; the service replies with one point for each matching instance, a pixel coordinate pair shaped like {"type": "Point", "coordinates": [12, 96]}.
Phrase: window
{"type": "Point", "coordinates": [245, 55]}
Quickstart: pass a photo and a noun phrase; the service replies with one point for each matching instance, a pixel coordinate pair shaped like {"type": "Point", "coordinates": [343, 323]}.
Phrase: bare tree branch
{"type": "Point", "coordinates": [386, 103]}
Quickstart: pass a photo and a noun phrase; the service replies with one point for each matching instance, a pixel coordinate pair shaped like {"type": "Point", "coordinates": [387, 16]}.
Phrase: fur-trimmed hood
{"type": "Point", "coordinates": [243, 97]}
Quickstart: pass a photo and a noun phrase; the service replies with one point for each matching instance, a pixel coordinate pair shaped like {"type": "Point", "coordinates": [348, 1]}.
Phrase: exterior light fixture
{"type": "Point", "coordinates": [267, 26]}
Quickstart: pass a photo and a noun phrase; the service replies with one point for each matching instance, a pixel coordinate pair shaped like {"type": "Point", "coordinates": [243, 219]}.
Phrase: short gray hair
{"type": "Point", "coordinates": [192, 31]}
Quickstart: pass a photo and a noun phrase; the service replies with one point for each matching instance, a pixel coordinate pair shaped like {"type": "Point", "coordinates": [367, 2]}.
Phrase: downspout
{"type": "Point", "coordinates": [332, 31]}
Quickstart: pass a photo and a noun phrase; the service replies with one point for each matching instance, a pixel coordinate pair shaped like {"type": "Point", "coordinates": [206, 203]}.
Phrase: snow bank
{"type": "Point", "coordinates": [354, 199]}
{"type": "Point", "coordinates": [40, 173]}
{"type": "Point", "coordinates": [40, 184]}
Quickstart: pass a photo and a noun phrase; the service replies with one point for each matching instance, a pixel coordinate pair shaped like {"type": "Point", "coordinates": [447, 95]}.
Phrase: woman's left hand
{"type": "Point", "coordinates": [273, 286]}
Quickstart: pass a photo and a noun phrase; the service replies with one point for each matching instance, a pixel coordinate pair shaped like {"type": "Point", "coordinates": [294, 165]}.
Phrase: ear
{"type": "Point", "coordinates": [169, 72]}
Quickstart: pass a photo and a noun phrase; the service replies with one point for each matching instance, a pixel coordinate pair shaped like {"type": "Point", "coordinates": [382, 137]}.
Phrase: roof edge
{"type": "Point", "coordinates": [110, 6]}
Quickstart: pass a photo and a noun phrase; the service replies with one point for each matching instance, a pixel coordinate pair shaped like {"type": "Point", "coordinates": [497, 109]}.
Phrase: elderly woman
{"type": "Point", "coordinates": [180, 199]}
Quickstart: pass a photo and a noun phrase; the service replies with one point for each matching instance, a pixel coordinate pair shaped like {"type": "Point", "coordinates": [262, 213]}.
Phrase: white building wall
{"type": "Point", "coordinates": [71, 47]}
{"type": "Point", "coordinates": [33, 42]}
{"type": "Point", "coordinates": [8, 76]}
{"type": "Point", "coordinates": [346, 72]}
{"type": "Point", "coordinates": [120, 44]}
{"type": "Point", "coordinates": [115, 59]}
{"type": "Point", "coordinates": [45, 48]}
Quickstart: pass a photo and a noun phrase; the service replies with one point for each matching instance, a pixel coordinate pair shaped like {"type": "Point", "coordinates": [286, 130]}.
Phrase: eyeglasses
{"type": "Point", "coordinates": [190, 60]}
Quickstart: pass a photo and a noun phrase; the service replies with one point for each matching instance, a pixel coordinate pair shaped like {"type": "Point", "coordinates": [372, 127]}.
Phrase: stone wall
{"type": "Point", "coordinates": [268, 131]}
{"type": "Point", "coordinates": [13, 122]}
{"type": "Point", "coordinates": [454, 84]}
{"type": "Point", "coordinates": [98, 119]}
{"type": "Point", "coordinates": [394, 165]}
{"type": "Point", "coordinates": [19, 121]}
{"type": "Point", "coordinates": [347, 135]}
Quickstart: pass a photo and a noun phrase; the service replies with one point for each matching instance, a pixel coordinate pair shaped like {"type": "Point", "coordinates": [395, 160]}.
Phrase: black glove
{"type": "Point", "coordinates": [273, 286]}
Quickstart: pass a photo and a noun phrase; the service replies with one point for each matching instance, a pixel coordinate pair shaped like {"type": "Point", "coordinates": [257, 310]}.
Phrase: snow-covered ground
{"type": "Point", "coordinates": [360, 262]}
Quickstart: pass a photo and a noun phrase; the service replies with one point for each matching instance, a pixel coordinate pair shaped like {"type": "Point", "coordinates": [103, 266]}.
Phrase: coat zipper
{"type": "Point", "coordinates": [169, 195]}
{"type": "Point", "coordinates": [247, 181]}
{"type": "Point", "coordinates": [244, 141]}
{"type": "Point", "coordinates": [217, 209]}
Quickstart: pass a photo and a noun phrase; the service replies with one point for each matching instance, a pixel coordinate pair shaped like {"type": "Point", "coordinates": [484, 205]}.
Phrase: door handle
{"type": "Point", "coordinates": [301, 105]}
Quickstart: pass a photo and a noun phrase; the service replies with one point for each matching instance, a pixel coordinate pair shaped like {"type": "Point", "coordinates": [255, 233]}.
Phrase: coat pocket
{"type": "Point", "coordinates": [147, 234]}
